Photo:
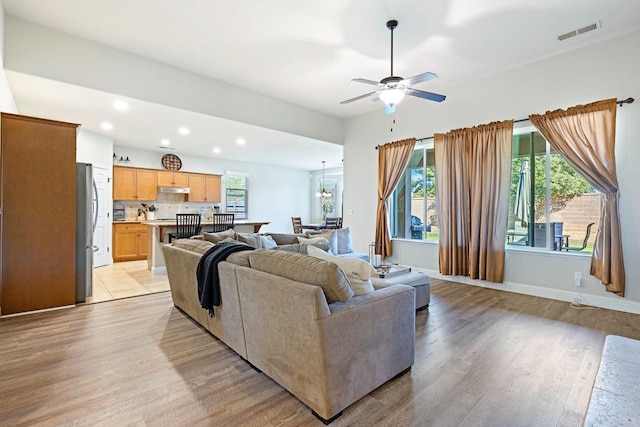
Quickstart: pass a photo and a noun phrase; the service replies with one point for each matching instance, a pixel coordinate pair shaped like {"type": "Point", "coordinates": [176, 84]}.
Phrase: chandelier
{"type": "Point", "coordinates": [324, 192]}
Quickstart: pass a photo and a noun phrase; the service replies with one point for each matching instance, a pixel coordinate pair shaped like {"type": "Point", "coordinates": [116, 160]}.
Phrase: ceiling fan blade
{"type": "Point", "coordinates": [420, 78]}
{"type": "Point", "coordinates": [425, 95]}
{"type": "Point", "coordinates": [358, 97]}
{"type": "Point", "coordinates": [369, 82]}
{"type": "Point", "coordinates": [389, 109]}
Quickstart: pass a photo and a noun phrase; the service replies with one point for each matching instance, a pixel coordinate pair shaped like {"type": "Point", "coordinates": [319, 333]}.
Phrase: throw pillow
{"type": "Point", "coordinates": [319, 242]}
{"type": "Point", "coordinates": [344, 241]}
{"type": "Point", "coordinates": [268, 242]}
{"type": "Point", "coordinates": [193, 245]}
{"type": "Point", "coordinates": [219, 237]}
{"type": "Point", "coordinates": [358, 271]}
{"type": "Point", "coordinates": [332, 237]}
{"type": "Point", "coordinates": [295, 247]}
{"type": "Point", "coordinates": [251, 239]}
{"type": "Point", "coordinates": [285, 238]}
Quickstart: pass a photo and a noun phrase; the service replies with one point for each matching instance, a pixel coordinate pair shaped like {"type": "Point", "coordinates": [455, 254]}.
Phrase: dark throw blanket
{"type": "Point", "coordinates": [207, 273]}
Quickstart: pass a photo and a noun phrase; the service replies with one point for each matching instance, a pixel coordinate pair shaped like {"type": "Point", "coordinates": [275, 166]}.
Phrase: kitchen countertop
{"type": "Point", "coordinates": [163, 224]}
{"type": "Point", "coordinates": [166, 222]}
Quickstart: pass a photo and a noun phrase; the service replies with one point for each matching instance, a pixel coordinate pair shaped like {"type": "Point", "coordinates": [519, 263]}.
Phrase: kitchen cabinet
{"type": "Point", "coordinates": [135, 184]}
{"type": "Point", "coordinates": [204, 188]}
{"type": "Point", "coordinates": [38, 221]}
{"type": "Point", "coordinates": [130, 242]}
{"type": "Point", "coordinates": [173, 179]}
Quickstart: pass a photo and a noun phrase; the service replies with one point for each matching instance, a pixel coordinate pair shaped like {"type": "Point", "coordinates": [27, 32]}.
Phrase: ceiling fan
{"type": "Point", "coordinates": [392, 89]}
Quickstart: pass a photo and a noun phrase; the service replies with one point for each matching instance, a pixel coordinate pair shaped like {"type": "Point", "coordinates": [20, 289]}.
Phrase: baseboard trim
{"type": "Point", "coordinates": [610, 303]}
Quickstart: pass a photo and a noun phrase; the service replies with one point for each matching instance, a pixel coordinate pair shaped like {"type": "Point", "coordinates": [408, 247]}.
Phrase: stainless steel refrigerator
{"type": "Point", "coordinates": [86, 217]}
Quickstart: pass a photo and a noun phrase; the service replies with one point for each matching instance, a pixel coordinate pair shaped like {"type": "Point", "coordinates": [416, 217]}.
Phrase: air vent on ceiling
{"type": "Point", "coordinates": [582, 30]}
{"type": "Point", "coordinates": [166, 148]}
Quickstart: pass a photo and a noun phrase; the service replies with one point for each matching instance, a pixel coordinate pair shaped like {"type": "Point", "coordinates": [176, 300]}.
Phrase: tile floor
{"type": "Point", "coordinates": [125, 279]}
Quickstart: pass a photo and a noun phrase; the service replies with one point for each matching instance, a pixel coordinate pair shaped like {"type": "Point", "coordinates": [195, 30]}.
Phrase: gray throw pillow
{"type": "Point", "coordinates": [344, 241]}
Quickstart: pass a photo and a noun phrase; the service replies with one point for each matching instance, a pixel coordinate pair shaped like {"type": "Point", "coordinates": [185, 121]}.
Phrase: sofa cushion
{"type": "Point", "coordinates": [357, 271]}
{"type": "Point", "coordinates": [285, 238]}
{"type": "Point", "coordinates": [305, 269]}
{"type": "Point", "coordinates": [298, 248]}
{"type": "Point", "coordinates": [251, 239]}
{"type": "Point", "coordinates": [344, 241]}
{"type": "Point", "coordinates": [332, 237]}
{"type": "Point", "coordinates": [193, 245]}
{"type": "Point", "coordinates": [219, 237]}
{"type": "Point", "coordinates": [318, 242]}
{"type": "Point", "coordinates": [268, 242]}
{"type": "Point", "coordinates": [240, 258]}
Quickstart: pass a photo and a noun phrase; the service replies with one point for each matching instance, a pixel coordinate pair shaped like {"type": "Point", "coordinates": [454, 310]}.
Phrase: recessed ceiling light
{"type": "Point", "coordinates": [121, 106]}
{"type": "Point", "coordinates": [106, 126]}
{"type": "Point", "coordinates": [240, 141]}
{"type": "Point", "coordinates": [183, 131]}
{"type": "Point", "coordinates": [217, 150]}
{"type": "Point", "coordinates": [165, 142]}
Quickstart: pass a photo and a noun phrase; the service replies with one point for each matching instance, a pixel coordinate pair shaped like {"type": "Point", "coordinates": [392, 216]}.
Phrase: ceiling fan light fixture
{"type": "Point", "coordinates": [391, 96]}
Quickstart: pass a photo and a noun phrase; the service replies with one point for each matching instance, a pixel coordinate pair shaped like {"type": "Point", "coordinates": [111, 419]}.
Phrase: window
{"type": "Point", "coordinates": [237, 193]}
{"type": "Point", "coordinates": [551, 205]}
{"type": "Point", "coordinates": [413, 202]}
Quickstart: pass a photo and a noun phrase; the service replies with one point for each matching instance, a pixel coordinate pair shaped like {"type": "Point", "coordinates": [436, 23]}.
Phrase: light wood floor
{"type": "Point", "coordinates": [124, 280]}
{"type": "Point", "coordinates": [483, 358]}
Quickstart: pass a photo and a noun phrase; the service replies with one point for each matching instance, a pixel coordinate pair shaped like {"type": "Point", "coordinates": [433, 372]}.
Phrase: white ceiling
{"type": "Point", "coordinates": [303, 52]}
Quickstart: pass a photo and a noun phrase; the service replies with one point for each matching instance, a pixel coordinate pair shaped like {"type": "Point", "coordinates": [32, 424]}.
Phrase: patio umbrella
{"type": "Point", "coordinates": [523, 199]}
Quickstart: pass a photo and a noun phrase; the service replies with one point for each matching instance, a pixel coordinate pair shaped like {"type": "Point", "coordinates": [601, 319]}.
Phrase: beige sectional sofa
{"type": "Point", "coordinates": [292, 317]}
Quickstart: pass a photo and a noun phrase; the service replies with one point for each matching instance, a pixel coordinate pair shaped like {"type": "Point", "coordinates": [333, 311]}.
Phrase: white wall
{"type": "Point", "coordinates": [275, 193]}
{"type": "Point", "coordinates": [93, 148]}
{"type": "Point", "coordinates": [7, 103]}
{"type": "Point", "coordinates": [607, 70]}
{"type": "Point", "coordinates": [61, 57]}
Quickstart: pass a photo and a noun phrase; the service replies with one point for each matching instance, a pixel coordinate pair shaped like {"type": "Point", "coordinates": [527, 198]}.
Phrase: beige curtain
{"type": "Point", "coordinates": [392, 160]}
{"type": "Point", "coordinates": [585, 136]}
{"type": "Point", "coordinates": [473, 174]}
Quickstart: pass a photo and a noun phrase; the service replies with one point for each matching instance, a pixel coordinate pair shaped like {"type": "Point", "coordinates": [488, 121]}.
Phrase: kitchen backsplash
{"type": "Point", "coordinates": [168, 205]}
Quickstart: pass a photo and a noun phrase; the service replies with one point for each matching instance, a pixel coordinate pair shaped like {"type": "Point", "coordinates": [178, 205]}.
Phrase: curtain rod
{"type": "Point", "coordinates": [620, 103]}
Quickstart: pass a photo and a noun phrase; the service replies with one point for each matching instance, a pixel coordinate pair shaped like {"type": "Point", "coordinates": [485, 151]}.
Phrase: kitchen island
{"type": "Point", "coordinates": [159, 234]}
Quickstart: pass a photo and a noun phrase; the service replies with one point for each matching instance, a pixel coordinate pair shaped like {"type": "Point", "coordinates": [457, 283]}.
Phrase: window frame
{"type": "Point", "coordinates": [520, 128]}
{"type": "Point", "coordinates": [242, 214]}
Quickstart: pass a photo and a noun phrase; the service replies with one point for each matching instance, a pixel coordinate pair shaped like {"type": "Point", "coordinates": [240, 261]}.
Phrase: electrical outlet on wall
{"type": "Point", "coordinates": [577, 278]}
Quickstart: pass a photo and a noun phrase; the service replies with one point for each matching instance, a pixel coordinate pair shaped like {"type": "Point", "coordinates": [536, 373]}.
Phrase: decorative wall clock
{"type": "Point", "coordinates": [171, 162]}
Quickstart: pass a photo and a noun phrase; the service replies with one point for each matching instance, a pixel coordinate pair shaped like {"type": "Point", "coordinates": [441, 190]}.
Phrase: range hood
{"type": "Point", "coordinates": [174, 190]}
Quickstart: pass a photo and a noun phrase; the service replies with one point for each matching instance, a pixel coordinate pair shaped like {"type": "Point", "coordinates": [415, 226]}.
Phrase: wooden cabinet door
{"type": "Point", "coordinates": [197, 187]}
{"type": "Point", "coordinates": [212, 186]}
{"type": "Point", "coordinates": [124, 183]}
{"type": "Point", "coordinates": [146, 184]}
{"type": "Point", "coordinates": [143, 243]}
{"type": "Point", "coordinates": [173, 179]}
{"type": "Point", "coordinates": [125, 244]}
{"type": "Point", "coordinates": [130, 242]}
{"type": "Point", "coordinates": [165, 179]}
{"type": "Point", "coordinates": [180, 179]}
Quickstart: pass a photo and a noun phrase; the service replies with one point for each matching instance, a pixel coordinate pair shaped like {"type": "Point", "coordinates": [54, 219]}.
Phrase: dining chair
{"type": "Point", "coordinates": [187, 225]}
{"type": "Point", "coordinates": [332, 222]}
{"type": "Point", "coordinates": [296, 221]}
{"type": "Point", "coordinates": [222, 222]}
